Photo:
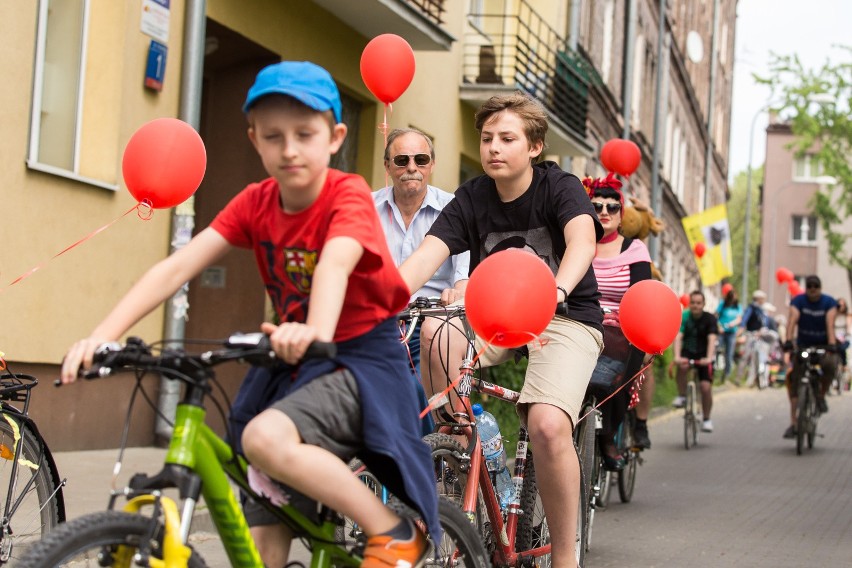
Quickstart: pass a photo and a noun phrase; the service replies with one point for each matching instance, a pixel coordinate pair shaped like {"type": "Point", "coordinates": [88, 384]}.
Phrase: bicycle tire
{"type": "Point", "coordinates": [85, 540]}
{"type": "Point", "coordinates": [802, 418]}
{"type": "Point", "coordinates": [451, 479]}
{"type": "Point", "coordinates": [690, 420]}
{"type": "Point", "coordinates": [585, 441]}
{"type": "Point", "coordinates": [460, 544]}
{"type": "Point", "coordinates": [349, 534]}
{"type": "Point", "coordinates": [606, 480]}
{"type": "Point", "coordinates": [37, 513]}
{"type": "Point", "coordinates": [812, 423]}
{"type": "Point", "coordinates": [533, 529]}
{"type": "Point", "coordinates": [627, 476]}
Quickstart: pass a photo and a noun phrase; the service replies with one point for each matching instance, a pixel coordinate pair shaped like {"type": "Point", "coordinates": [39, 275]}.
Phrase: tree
{"type": "Point", "coordinates": [736, 221]}
{"type": "Point", "coordinates": [825, 131]}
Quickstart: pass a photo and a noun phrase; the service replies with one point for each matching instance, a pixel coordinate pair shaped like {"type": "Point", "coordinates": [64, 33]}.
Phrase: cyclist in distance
{"type": "Point", "coordinates": [619, 263]}
{"type": "Point", "coordinates": [811, 324]}
{"type": "Point", "coordinates": [326, 266]}
{"type": "Point", "coordinates": [696, 341]}
{"type": "Point", "coordinates": [538, 207]}
{"type": "Point", "coordinates": [407, 210]}
{"type": "Point", "coordinates": [729, 314]}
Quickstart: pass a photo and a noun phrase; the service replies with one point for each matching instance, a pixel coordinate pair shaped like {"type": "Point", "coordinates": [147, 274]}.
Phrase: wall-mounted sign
{"type": "Point", "coordinates": [155, 19]}
{"type": "Point", "coordinates": [155, 69]}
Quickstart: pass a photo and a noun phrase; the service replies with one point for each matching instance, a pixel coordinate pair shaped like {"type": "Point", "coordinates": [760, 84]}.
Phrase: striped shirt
{"type": "Point", "coordinates": [613, 274]}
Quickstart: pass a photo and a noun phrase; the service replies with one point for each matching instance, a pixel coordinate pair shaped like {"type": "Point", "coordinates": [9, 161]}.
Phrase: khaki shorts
{"type": "Point", "coordinates": [559, 370]}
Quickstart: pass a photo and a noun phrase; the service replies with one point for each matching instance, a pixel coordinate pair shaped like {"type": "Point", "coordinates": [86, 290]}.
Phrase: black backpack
{"type": "Point", "coordinates": [755, 319]}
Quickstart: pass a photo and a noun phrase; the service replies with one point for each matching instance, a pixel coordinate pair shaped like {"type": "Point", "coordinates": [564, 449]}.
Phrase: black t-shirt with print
{"type": "Point", "coordinates": [695, 334]}
{"type": "Point", "coordinates": [476, 220]}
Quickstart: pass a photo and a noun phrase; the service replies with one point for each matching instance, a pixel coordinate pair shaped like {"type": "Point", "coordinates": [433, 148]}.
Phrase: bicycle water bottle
{"type": "Point", "coordinates": [495, 455]}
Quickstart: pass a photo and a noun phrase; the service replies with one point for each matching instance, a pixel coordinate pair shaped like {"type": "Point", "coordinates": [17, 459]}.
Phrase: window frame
{"type": "Point", "coordinates": [33, 161]}
{"type": "Point", "coordinates": [796, 222]}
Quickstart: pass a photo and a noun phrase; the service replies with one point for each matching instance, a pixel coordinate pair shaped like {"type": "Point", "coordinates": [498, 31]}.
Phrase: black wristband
{"type": "Point", "coordinates": [564, 292]}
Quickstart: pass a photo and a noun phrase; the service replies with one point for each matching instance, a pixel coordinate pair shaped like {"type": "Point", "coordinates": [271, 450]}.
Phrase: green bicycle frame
{"type": "Point", "coordinates": [195, 446]}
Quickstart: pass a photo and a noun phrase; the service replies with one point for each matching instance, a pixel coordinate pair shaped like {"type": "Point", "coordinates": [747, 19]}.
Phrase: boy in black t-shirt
{"type": "Point", "coordinates": [540, 208]}
{"type": "Point", "coordinates": [696, 341]}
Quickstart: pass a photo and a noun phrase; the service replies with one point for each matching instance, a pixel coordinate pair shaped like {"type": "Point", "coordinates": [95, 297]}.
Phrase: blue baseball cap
{"type": "Point", "coordinates": [304, 81]}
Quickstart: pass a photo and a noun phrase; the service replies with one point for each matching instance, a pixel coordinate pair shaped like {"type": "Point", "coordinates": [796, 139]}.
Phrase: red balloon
{"type": "Point", "coordinates": [164, 162]}
{"type": "Point", "coordinates": [700, 249]}
{"type": "Point", "coordinates": [621, 156]}
{"type": "Point", "coordinates": [510, 298]}
{"type": "Point", "coordinates": [387, 66]}
{"type": "Point", "coordinates": [650, 315]}
{"type": "Point", "coordinates": [784, 275]}
{"type": "Point", "coordinates": [684, 300]}
{"type": "Point", "coordinates": [794, 288]}
{"type": "Point", "coordinates": [727, 287]}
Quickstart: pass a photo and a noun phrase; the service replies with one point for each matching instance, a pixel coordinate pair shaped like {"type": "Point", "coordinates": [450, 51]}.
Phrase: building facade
{"type": "Point", "coordinates": [83, 75]}
{"type": "Point", "coordinates": [790, 235]}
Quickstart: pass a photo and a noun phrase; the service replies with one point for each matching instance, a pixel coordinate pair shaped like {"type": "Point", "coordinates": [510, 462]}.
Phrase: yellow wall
{"type": "Point", "coordinates": [43, 213]}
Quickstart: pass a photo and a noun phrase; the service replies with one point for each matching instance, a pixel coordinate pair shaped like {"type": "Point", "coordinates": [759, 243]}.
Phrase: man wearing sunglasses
{"type": "Point", "coordinates": [811, 324]}
{"type": "Point", "coordinates": [407, 210]}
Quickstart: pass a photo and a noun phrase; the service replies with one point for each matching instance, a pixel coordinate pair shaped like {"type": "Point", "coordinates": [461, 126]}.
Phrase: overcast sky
{"type": "Point", "coordinates": [808, 29]}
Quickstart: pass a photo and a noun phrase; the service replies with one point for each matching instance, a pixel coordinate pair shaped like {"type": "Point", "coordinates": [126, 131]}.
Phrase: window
{"type": "Point", "coordinates": [806, 167]}
{"type": "Point", "coordinates": [76, 119]}
{"type": "Point", "coordinates": [608, 24]}
{"type": "Point", "coordinates": [58, 84]}
{"type": "Point", "coordinates": [804, 230]}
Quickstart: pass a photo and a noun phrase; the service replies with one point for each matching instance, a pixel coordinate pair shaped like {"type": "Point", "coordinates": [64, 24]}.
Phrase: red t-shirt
{"type": "Point", "coordinates": [287, 248]}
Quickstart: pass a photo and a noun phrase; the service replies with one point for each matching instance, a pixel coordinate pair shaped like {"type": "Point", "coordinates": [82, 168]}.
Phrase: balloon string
{"type": "Point", "coordinates": [144, 211]}
{"type": "Point", "coordinates": [639, 373]}
{"type": "Point", "coordinates": [439, 397]}
{"type": "Point", "coordinates": [384, 128]}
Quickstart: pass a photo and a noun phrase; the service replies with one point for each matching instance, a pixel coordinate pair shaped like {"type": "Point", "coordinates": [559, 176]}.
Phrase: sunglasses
{"type": "Point", "coordinates": [401, 160]}
{"type": "Point", "coordinates": [611, 208]}
{"type": "Point", "coordinates": [813, 286]}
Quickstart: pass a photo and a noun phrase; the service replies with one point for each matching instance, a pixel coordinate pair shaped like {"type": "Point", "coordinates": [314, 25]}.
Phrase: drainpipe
{"type": "Point", "coordinates": [708, 158]}
{"type": "Point", "coordinates": [627, 87]}
{"type": "Point", "coordinates": [663, 48]}
{"type": "Point", "coordinates": [183, 216]}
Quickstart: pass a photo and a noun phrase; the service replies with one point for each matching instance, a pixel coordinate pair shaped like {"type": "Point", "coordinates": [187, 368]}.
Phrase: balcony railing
{"type": "Point", "coordinates": [522, 51]}
{"type": "Point", "coordinates": [433, 10]}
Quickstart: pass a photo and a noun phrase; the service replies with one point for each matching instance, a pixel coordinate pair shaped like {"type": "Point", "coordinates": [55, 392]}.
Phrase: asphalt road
{"type": "Point", "coordinates": [741, 497]}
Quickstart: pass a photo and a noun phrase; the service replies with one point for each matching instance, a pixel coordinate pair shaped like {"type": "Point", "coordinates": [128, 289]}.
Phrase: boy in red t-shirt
{"type": "Point", "coordinates": [322, 254]}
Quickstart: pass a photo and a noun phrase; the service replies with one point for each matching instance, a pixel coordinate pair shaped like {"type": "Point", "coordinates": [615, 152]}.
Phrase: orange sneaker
{"type": "Point", "coordinates": [384, 551]}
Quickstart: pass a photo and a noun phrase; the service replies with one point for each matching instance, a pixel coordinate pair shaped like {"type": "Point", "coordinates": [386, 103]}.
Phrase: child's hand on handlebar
{"type": "Point", "coordinates": [79, 357]}
{"type": "Point", "coordinates": [450, 295]}
{"type": "Point", "coordinates": [290, 340]}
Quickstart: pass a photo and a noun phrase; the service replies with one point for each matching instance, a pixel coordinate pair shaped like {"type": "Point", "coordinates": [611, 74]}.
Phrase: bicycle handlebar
{"type": "Point", "coordinates": [252, 348]}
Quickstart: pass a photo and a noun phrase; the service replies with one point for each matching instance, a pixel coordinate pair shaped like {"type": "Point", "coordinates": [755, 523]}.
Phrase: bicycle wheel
{"type": "Point", "coordinates": [690, 421]}
{"type": "Point", "coordinates": [814, 419]}
{"type": "Point", "coordinates": [29, 489]}
{"type": "Point", "coordinates": [108, 538]}
{"type": "Point", "coordinates": [584, 440]}
{"type": "Point", "coordinates": [350, 534]}
{"type": "Point", "coordinates": [627, 476]}
{"type": "Point", "coordinates": [533, 530]}
{"type": "Point", "coordinates": [451, 479]}
{"type": "Point", "coordinates": [803, 416]}
{"type": "Point", "coordinates": [606, 480]}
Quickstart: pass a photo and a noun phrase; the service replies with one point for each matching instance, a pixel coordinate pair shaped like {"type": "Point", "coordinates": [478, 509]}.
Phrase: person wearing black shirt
{"type": "Point", "coordinates": [696, 342]}
{"type": "Point", "coordinates": [537, 207]}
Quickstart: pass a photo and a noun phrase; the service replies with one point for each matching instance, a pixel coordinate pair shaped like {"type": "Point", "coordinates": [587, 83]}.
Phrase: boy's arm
{"type": "Point", "coordinates": [424, 262]}
{"type": "Point", "coordinates": [579, 252]}
{"type": "Point", "coordinates": [160, 282]}
{"type": "Point", "coordinates": [337, 260]}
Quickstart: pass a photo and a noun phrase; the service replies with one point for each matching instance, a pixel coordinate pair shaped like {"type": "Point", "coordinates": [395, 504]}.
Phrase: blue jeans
{"type": "Point", "coordinates": [729, 339]}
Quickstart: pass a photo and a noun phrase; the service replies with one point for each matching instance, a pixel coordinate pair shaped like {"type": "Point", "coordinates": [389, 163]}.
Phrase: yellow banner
{"type": "Point", "coordinates": [710, 228]}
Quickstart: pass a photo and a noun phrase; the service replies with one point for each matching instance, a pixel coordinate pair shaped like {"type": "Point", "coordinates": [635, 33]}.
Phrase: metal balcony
{"type": "Point", "coordinates": [420, 22]}
{"type": "Point", "coordinates": [508, 52]}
